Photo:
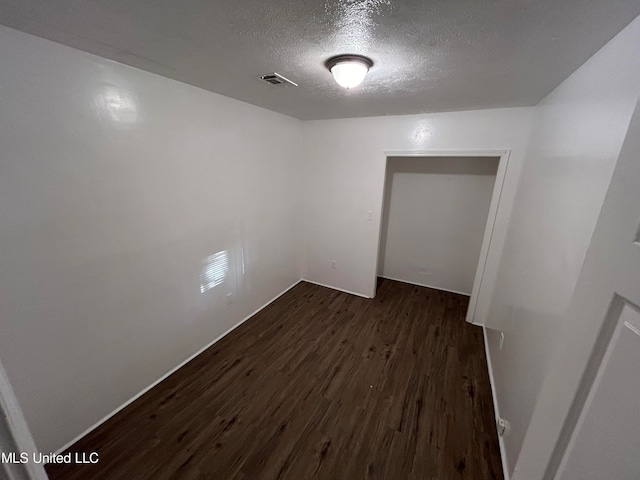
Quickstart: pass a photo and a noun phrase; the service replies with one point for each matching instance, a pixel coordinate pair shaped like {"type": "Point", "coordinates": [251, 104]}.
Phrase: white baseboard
{"type": "Point", "coordinates": [425, 285]}
{"type": "Point", "coordinates": [496, 410]}
{"type": "Point", "coordinates": [173, 370]}
{"type": "Point", "coordinates": [335, 288]}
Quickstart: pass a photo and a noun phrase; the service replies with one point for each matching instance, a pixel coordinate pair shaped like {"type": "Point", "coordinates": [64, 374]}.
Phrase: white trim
{"type": "Point", "coordinates": [492, 216]}
{"type": "Point", "coordinates": [483, 258]}
{"type": "Point", "coordinates": [17, 435]}
{"type": "Point", "coordinates": [632, 327]}
{"type": "Point", "coordinates": [496, 410]}
{"type": "Point", "coordinates": [172, 371]}
{"type": "Point", "coordinates": [380, 221]}
{"type": "Point", "coordinates": [335, 288]}
{"type": "Point", "coordinates": [446, 153]}
{"type": "Point", "coordinates": [425, 285]}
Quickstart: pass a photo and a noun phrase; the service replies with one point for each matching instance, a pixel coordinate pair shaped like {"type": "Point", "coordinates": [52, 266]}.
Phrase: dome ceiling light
{"type": "Point", "coordinates": [349, 70]}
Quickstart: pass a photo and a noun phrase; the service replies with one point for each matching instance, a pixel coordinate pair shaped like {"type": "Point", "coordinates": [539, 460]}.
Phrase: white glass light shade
{"type": "Point", "coordinates": [349, 73]}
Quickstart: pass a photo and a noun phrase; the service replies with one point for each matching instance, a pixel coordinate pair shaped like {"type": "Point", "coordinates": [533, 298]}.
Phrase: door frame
{"type": "Point", "coordinates": [15, 436]}
{"type": "Point", "coordinates": [478, 295]}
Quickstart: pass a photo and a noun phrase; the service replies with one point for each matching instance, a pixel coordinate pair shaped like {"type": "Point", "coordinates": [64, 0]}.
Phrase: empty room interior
{"type": "Point", "coordinates": [347, 239]}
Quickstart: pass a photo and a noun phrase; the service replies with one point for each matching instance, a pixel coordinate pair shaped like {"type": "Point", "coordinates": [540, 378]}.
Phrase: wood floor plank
{"type": "Point", "coordinates": [318, 385]}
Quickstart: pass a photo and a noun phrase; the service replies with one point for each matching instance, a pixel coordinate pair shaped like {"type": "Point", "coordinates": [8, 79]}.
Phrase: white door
{"type": "Point", "coordinates": [605, 443]}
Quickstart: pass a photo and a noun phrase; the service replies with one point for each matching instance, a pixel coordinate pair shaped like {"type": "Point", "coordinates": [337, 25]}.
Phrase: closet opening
{"type": "Point", "coordinates": [438, 212]}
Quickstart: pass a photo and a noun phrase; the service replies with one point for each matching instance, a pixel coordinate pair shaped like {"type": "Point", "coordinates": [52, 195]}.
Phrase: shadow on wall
{"type": "Point", "coordinates": [433, 219]}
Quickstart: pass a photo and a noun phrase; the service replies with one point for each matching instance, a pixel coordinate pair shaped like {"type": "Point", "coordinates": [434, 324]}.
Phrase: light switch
{"type": "Point", "coordinates": [370, 216]}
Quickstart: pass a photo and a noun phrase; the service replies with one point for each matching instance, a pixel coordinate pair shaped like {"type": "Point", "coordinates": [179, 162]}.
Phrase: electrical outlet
{"type": "Point", "coordinates": [229, 298]}
{"type": "Point", "coordinates": [370, 216]}
{"type": "Point", "coordinates": [333, 264]}
{"type": "Point", "coordinates": [501, 339]}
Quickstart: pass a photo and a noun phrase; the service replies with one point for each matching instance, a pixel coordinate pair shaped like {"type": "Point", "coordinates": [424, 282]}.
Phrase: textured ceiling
{"type": "Point", "coordinates": [430, 55]}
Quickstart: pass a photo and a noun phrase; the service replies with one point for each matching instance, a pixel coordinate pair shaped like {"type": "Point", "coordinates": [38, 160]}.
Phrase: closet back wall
{"type": "Point", "coordinates": [433, 221]}
{"type": "Point", "coordinates": [130, 206]}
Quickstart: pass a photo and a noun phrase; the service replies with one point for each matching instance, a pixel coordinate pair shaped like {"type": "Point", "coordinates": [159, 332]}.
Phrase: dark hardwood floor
{"type": "Point", "coordinates": [320, 384]}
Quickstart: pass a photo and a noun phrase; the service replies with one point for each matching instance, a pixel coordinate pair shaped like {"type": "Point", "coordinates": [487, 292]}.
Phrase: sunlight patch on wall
{"type": "Point", "coordinates": [214, 270]}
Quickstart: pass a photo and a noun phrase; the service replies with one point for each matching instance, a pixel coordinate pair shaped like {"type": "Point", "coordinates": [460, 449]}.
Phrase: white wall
{"type": "Point", "coordinates": [577, 136]}
{"type": "Point", "coordinates": [115, 184]}
{"type": "Point", "coordinates": [434, 217]}
{"type": "Point", "coordinates": [343, 170]}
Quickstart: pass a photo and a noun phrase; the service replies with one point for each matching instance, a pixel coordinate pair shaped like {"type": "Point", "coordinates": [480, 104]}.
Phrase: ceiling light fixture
{"type": "Point", "coordinates": [349, 70]}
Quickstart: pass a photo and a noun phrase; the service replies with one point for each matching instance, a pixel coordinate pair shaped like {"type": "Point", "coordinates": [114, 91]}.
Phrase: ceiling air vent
{"type": "Point", "coordinates": [278, 80]}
